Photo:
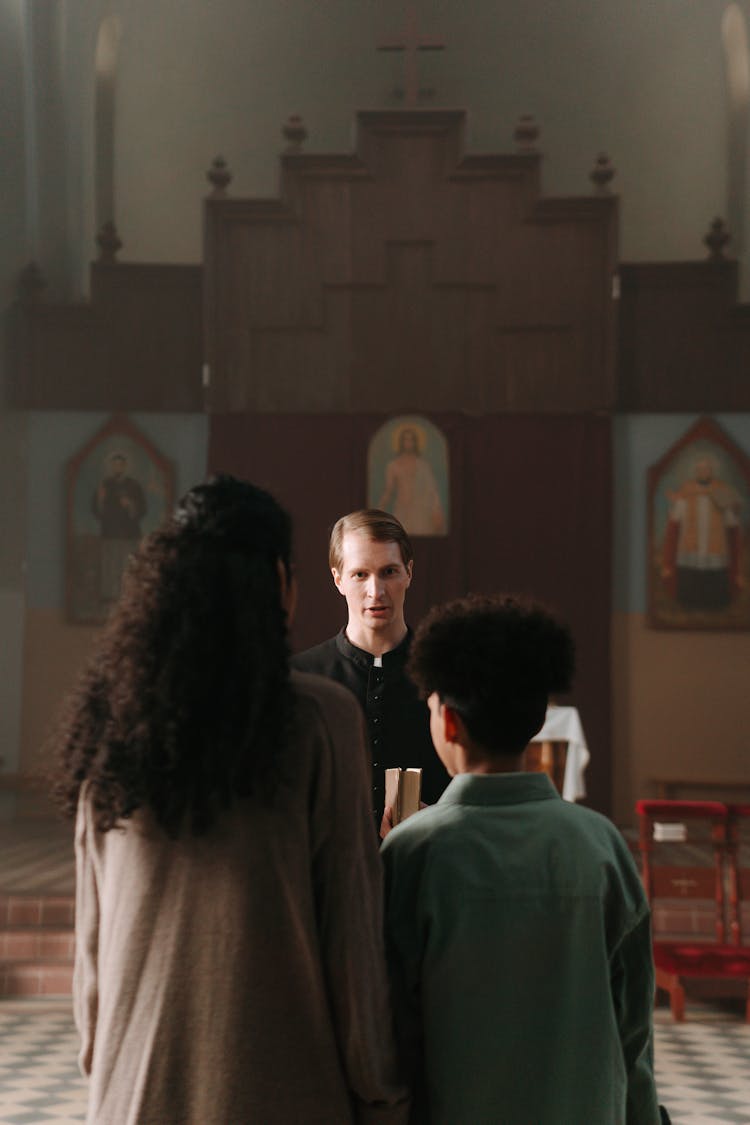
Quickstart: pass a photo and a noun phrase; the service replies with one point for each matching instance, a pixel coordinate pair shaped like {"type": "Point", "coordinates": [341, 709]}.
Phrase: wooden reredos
{"type": "Point", "coordinates": [410, 272]}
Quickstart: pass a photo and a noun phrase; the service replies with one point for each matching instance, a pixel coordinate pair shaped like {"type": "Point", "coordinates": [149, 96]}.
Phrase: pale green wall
{"type": "Point", "coordinates": [643, 81]}
{"type": "Point", "coordinates": [13, 252]}
{"type": "Point", "coordinates": [13, 248]}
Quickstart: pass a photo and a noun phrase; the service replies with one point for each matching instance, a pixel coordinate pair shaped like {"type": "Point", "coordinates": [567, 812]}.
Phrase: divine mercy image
{"type": "Point", "coordinates": [408, 475]}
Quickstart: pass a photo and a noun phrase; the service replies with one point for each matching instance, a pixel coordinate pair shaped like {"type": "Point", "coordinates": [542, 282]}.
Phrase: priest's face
{"type": "Point", "coordinates": [374, 579]}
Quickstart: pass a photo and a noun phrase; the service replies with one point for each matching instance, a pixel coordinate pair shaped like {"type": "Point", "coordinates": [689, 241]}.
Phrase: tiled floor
{"type": "Point", "coordinates": [702, 1066]}
{"type": "Point", "coordinates": [39, 1079]}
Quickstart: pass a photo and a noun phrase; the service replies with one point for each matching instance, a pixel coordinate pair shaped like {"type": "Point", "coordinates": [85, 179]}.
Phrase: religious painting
{"type": "Point", "coordinates": [408, 475]}
{"type": "Point", "coordinates": [118, 489]}
{"type": "Point", "coordinates": [699, 533]}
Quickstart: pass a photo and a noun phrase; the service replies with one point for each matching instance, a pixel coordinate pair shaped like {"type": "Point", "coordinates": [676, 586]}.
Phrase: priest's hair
{"type": "Point", "coordinates": [186, 702]}
{"type": "Point", "coordinates": [496, 661]}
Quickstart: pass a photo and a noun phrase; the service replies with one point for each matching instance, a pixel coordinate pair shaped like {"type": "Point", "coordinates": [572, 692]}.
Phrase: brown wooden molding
{"type": "Point", "coordinates": [410, 271]}
{"type": "Point", "coordinates": [683, 340]}
{"type": "Point", "coordinates": [136, 345]}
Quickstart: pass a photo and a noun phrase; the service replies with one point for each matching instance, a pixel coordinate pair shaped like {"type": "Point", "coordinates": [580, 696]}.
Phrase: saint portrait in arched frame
{"type": "Point", "coordinates": [699, 533]}
{"type": "Point", "coordinates": [119, 488]}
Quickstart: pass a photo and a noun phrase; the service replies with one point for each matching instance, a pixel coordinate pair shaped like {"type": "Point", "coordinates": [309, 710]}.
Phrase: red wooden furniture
{"type": "Point", "coordinates": [685, 881]}
{"type": "Point", "coordinates": [738, 849]}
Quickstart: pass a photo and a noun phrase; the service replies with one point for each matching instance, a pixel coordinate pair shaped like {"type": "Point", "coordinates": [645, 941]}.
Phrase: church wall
{"type": "Point", "coordinates": [81, 27]}
{"type": "Point", "coordinates": [53, 649]}
{"type": "Point", "coordinates": [530, 512]}
{"type": "Point", "coordinates": [679, 697]}
{"type": "Point", "coordinates": [13, 254]}
{"type": "Point", "coordinates": [643, 82]}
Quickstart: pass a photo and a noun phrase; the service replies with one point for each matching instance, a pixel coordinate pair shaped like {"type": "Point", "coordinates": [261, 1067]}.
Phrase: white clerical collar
{"type": "Point", "coordinates": [377, 661]}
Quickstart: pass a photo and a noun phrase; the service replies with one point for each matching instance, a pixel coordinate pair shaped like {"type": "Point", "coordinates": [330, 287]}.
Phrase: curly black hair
{"type": "Point", "coordinates": [186, 702]}
{"type": "Point", "coordinates": [495, 660]}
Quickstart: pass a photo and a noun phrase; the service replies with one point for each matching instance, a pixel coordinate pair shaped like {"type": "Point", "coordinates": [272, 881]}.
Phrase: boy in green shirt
{"type": "Point", "coordinates": [517, 930]}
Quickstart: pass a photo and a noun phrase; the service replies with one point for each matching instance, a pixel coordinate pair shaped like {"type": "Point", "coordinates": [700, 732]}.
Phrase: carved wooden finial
{"type": "Point", "coordinates": [294, 132]}
{"type": "Point", "coordinates": [602, 174]}
{"type": "Point", "coordinates": [219, 176]}
{"type": "Point", "coordinates": [108, 242]}
{"type": "Point", "coordinates": [526, 133]}
{"type": "Point", "coordinates": [31, 284]}
{"type": "Point", "coordinates": [716, 239]}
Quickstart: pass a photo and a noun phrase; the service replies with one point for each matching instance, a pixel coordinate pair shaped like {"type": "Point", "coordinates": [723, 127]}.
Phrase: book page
{"type": "Point", "coordinates": [410, 790]}
{"type": "Point", "coordinates": [392, 786]}
{"type": "Point", "coordinates": [402, 792]}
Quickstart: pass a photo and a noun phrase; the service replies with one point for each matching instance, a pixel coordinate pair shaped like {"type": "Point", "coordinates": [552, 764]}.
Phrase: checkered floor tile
{"type": "Point", "coordinates": [702, 1066]}
{"type": "Point", "coordinates": [39, 1079]}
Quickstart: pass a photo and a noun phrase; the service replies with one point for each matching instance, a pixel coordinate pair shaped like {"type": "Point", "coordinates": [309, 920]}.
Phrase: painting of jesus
{"type": "Point", "coordinates": [408, 475]}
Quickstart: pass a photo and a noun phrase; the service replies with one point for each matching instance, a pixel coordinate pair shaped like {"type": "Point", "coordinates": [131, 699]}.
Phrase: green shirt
{"type": "Point", "coordinates": [519, 946]}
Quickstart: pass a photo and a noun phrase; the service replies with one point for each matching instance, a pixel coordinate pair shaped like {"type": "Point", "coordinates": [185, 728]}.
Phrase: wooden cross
{"type": "Point", "coordinates": [411, 43]}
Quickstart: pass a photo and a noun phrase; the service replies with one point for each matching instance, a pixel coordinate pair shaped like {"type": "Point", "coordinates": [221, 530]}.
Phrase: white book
{"type": "Point", "coordinates": [402, 792]}
{"type": "Point", "coordinates": [670, 832]}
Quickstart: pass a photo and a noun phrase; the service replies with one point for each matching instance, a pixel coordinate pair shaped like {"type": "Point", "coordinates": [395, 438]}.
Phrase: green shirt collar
{"type": "Point", "coordinates": [498, 789]}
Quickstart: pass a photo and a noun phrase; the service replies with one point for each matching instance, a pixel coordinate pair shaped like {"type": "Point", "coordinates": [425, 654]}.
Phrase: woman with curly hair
{"type": "Point", "coordinates": [228, 957]}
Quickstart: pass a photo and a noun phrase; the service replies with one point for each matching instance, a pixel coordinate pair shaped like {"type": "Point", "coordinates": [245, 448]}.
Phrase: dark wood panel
{"type": "Point", "coordinates": [409, 272]}
{"type": "Point", "coordinates": [137, 345]}
{"type": "Point", "coordinates": [684, 342]}
{"type": "Point", "coordinates": [530, 512]}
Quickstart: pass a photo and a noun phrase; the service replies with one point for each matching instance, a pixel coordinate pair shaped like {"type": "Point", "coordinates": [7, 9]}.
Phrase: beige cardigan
{"type": "Point", "coordinates": [238, 976]}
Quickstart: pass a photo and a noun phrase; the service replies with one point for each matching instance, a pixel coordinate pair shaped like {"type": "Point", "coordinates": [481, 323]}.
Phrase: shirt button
{"type": "Point", "coordinates": [376, 718]}
{"type": "Point", "coordinates": [375, 765]}
{"type": "Point", "coordinates": [375, 741]}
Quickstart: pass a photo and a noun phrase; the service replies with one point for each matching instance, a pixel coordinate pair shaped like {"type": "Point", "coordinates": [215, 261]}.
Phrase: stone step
{"type": "Point", "coordinates": [18, 909]}
{"type": "Point", "coordinates": [35, 978]}
{"type": "Point", "coordinates": [37, 943]}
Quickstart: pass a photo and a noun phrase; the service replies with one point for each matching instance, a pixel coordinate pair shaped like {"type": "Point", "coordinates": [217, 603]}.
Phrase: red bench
{"type": "Point", "coordinates": [698, 927]}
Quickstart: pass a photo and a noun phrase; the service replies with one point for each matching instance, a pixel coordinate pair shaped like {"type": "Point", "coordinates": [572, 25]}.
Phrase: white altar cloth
{"type": "Point", "coordinates": [563, 724]}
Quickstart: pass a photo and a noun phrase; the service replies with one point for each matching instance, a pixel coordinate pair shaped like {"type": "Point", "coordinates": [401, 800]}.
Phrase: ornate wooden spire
{"type": "Point", "coordinates": [109, 243]}
{"type": "Point", "coordinates": [717, 238]}
{"type": "Point", "coordinates": [602, 174]}
{"type": "Point", "coordinates": [294, 132]}
{"type": "Point", "coordinates": [219, 176]}
{"type": "Point", "coordinates": [526, 133]}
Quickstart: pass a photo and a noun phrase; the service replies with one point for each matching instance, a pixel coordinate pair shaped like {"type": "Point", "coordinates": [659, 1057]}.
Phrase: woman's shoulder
{"type": "Point", "coordinates": [318, 693]}
{"type": "Point", "coordinates": [326, 712]}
